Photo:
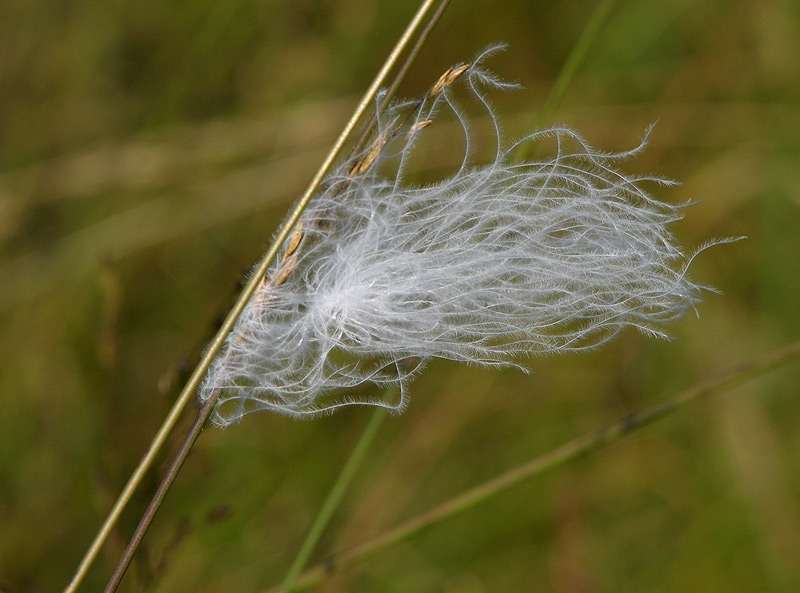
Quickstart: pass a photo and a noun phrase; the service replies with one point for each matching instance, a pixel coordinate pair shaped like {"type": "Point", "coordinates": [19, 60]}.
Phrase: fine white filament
{"type": "Point", "coordinates": [489, 266]}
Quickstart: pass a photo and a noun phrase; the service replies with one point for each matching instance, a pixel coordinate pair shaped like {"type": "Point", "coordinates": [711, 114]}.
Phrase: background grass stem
{"type": "Point", "coordinates": [579, 447]}
{"type": "Point", "coordinates": [579, 52]}
{"type": "Point", "coordinates": [336, 493]}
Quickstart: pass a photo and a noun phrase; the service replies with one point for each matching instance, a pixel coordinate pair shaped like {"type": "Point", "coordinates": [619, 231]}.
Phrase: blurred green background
{"type": "Point", "coordinates": [149, 149]}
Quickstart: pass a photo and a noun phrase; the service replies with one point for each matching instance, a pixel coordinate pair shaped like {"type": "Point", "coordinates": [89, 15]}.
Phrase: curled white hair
{"type": "Point", "coordinates": [489, 266]}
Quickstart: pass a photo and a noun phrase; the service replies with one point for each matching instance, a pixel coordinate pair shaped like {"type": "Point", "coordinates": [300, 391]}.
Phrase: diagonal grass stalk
{"type": "Point", "coordinates": [256, 281]}
{"type": "Point", "coordinates": [216, 344]}
{"type": "Point", "coordinates": [556, 458]}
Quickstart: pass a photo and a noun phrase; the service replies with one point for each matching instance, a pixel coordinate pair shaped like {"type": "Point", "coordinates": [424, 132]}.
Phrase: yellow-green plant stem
{"type": "Point", "coordinates": [214, 347]}
{"type": "Point", "coordinates": [576, 56]}
{"type": "Point", "coordinates": [336, 494]}
{"type": "Point", "coordinates": [579, 447]}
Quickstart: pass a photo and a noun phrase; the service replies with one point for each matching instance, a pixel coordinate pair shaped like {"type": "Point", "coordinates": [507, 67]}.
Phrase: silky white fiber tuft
{"type": "Point", "coordinates": [490, 266]}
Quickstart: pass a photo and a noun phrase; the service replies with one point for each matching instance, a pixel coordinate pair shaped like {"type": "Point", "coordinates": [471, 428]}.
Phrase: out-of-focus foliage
{"type": "Point", "coordinates": [149, 149]}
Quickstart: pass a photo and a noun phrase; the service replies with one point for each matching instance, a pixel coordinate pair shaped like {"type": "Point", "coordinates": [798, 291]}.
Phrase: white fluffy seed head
{"type": "Point", "coordinates": [489, 266]}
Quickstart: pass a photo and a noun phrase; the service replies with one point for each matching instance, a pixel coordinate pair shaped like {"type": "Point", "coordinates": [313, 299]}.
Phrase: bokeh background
{"type": "Point", "coordinates": [149, 149]}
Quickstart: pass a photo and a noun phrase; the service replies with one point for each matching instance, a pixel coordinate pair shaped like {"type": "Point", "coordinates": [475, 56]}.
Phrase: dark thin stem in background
{"type": "Point", "coordinates": [163, 488]}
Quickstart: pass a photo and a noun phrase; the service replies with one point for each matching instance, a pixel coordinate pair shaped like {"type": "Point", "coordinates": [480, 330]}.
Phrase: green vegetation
{"type": "Point", "coordinates": [147, 152]}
